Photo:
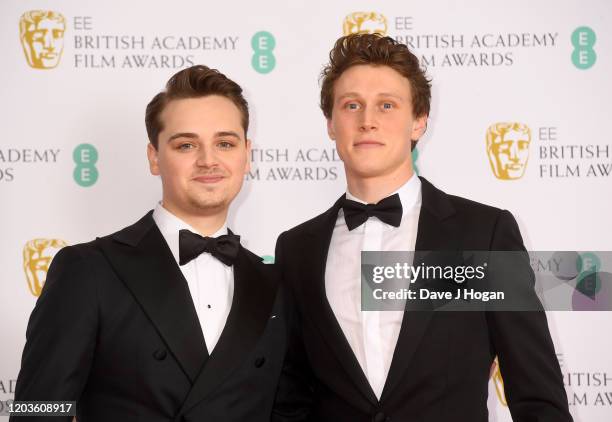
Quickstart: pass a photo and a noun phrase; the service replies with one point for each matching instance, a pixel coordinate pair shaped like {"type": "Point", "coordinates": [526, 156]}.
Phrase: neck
{"type": "Point", "coordinates": [374, 189]}
{"type": "Point", "coordinates": [206, 223]}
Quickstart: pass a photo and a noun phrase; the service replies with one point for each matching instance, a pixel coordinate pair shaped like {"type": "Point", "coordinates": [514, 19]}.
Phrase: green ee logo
{"type": "Point", "coordinates": [588, 267]}
{"type": "Point", "coordinates": [583, 40]}
{"type": "Point", "coordinates": [263, 60]}
{"type": "Point", "coordinates": [85, 173]}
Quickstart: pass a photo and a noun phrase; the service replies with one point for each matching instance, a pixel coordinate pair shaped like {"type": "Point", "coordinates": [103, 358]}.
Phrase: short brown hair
{"type": "Point", "coordinates": [375, 49]}
{"type": "Point", "coordinates": [194, 82]}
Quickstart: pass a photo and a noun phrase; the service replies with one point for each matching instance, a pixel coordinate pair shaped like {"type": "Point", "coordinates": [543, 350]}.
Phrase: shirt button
{"type": "Point", "coordinates": [160, 354]}
{"type": "Point", "coordinates": [380, 417]}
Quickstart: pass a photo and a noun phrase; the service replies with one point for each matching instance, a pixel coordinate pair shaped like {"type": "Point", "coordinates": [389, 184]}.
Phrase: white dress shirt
{"type": "Point", "coordinates": [211, 283]}
{"type": "Point", "coordinates": [371, 334]}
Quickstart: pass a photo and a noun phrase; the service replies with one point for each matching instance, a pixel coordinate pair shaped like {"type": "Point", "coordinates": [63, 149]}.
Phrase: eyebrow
{"type": "Point", "coordinates": [226, 133]}
{"type": "Point", "coordinates": [192, 135]}
{"type": "Point", "coordinates": [380, 94]}
{"type": "Point", "coordinates": [389, 94]}
{"type": "Point", "coordinates": [347, 95]}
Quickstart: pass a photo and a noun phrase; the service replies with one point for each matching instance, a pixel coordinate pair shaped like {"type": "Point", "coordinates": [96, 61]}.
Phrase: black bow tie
{"type": "Point", "coordinates": [389, 211]}
{"type": "Point", "coordinates": [224, 248]}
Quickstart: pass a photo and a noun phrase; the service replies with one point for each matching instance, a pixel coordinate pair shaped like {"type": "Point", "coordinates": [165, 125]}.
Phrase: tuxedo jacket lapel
{"type": "Point", "coordinates": [320, 311]}
{"type": "Point", "coordinates": [436, 232]}
{"type": "Point", "coordinates": [142, 259]}
{"type": "Point", "coordinates": [255, 287]}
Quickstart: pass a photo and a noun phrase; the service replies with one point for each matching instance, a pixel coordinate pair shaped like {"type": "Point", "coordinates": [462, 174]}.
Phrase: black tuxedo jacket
{"type": "Point", "coordinates": [440, 367]}
{"type": "Point", "coordinates": [116, 330]}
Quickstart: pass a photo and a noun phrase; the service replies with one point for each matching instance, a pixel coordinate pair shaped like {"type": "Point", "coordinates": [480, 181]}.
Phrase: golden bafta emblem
{"type": "Point", "coordinates": [37, 256]}
{"type": "Point", "coordinates": [365, 23]}
{"type": "Point", "coordinates": [499, 382]}
{"type": "Point", "coordinates": [508, 149]}
{"type": "Point", "coordinates": [42, 37]}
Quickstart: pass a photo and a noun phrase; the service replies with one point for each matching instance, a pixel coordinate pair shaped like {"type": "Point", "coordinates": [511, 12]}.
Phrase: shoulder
{"type": "Point", "coordinates": [481, 225]}
{"type": "Point", "coordinates": [81, 255]}
{"type": "Point", "coordinates": [483, 215]}
{"type": "Point", "coordinates": [473, 209]}
{"type": "Point", "coordinates": [73, 273]}
{"type": "Point", "coordinates": [465, 210]}
{"type": "Point", "coordinates": [89, 255]}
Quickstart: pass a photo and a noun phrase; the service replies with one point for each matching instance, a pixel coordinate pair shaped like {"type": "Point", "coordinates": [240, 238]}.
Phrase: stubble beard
{"type": "Point", "coordinates": [208, 202]}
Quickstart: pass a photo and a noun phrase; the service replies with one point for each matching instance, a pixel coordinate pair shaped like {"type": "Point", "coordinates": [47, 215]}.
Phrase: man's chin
{"type": "Point", "coordinates": [370, 168]}
{"type": "Point", "coordinates": [209, 205]}
{"type": "Point", "coordinates": [367, 173]}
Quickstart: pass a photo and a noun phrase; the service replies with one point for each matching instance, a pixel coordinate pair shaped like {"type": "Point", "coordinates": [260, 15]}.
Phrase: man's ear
{"type": "Point", "coordinates": [419, 127]}
{"type": "Point", "coordinates": [330, 130]}
{"type": "Point", "coordinates": [152, 155]}
{"type": "Point", "coordinates": [247, 167]}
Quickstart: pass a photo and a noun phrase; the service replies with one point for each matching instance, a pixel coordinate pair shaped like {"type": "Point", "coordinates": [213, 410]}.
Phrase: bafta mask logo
{"type": "Point", "coordinates": [508, 149]}
{"type": "Point", "coordinates": [365, 23]}
{"type": "Point", "coordinates": [498, 381]}
{"type": "Point", "coordinates": [42, 37]}
{"type": "Point", "coordinates": [37, 256]}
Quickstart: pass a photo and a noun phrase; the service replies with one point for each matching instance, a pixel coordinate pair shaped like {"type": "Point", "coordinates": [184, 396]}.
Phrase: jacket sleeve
{"type": "Point", "coordinates": [294, 395]}
{"type": "Point", "coordinates": [61, 334]}
{"type": "Point", "coordinates": [533, 382]}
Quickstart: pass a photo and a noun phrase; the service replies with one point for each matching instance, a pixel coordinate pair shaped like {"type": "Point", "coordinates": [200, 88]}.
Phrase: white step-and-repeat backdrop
{"type": "Point", "coordinates": [76, 77]}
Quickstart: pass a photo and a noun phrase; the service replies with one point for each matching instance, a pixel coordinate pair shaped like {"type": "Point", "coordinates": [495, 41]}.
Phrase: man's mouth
{"type": "Point", "coordinates": [209, 178]}
{"type": "Point", "coordinates": [368, 143]}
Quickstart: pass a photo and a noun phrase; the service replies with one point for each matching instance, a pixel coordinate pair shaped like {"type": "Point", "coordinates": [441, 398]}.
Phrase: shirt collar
{"type": "Point", "coordinates": [409, 193]}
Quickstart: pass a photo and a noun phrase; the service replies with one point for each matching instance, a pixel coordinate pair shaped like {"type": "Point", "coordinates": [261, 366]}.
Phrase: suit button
{"type": "Point", "coordinates": [380, 417]}
{"type": "Point", "coordinates": [160, 354]}
{"type": "Point", "coordinates": [259, 362]}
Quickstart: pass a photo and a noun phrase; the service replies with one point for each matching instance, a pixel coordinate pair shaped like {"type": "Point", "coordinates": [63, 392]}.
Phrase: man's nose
{"type": "Point", "coordinates": [368, 119]}
{"type": "Point", "coordinates": [206, 157]}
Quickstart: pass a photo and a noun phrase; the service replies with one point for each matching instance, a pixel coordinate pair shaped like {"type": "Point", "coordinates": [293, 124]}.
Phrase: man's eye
{"type": "Point", "coordinates": [387, 106]}
{"type": "Point", "coordinates": [185, 146]}
{"type": "Point", "coordinates": [225, 144]}
{"type": "Point", "coordinates": [352, 106]}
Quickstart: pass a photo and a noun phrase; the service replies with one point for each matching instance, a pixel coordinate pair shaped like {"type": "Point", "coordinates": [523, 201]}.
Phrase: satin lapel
{"type": "Point", "coordinates": [318, 308]}
{"type": "Point", "coordinates": [255, 287]}
{"type": "Point", "coordinates": [142, 259]}
{"type": "Point", "coordinates": [436, 232]}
